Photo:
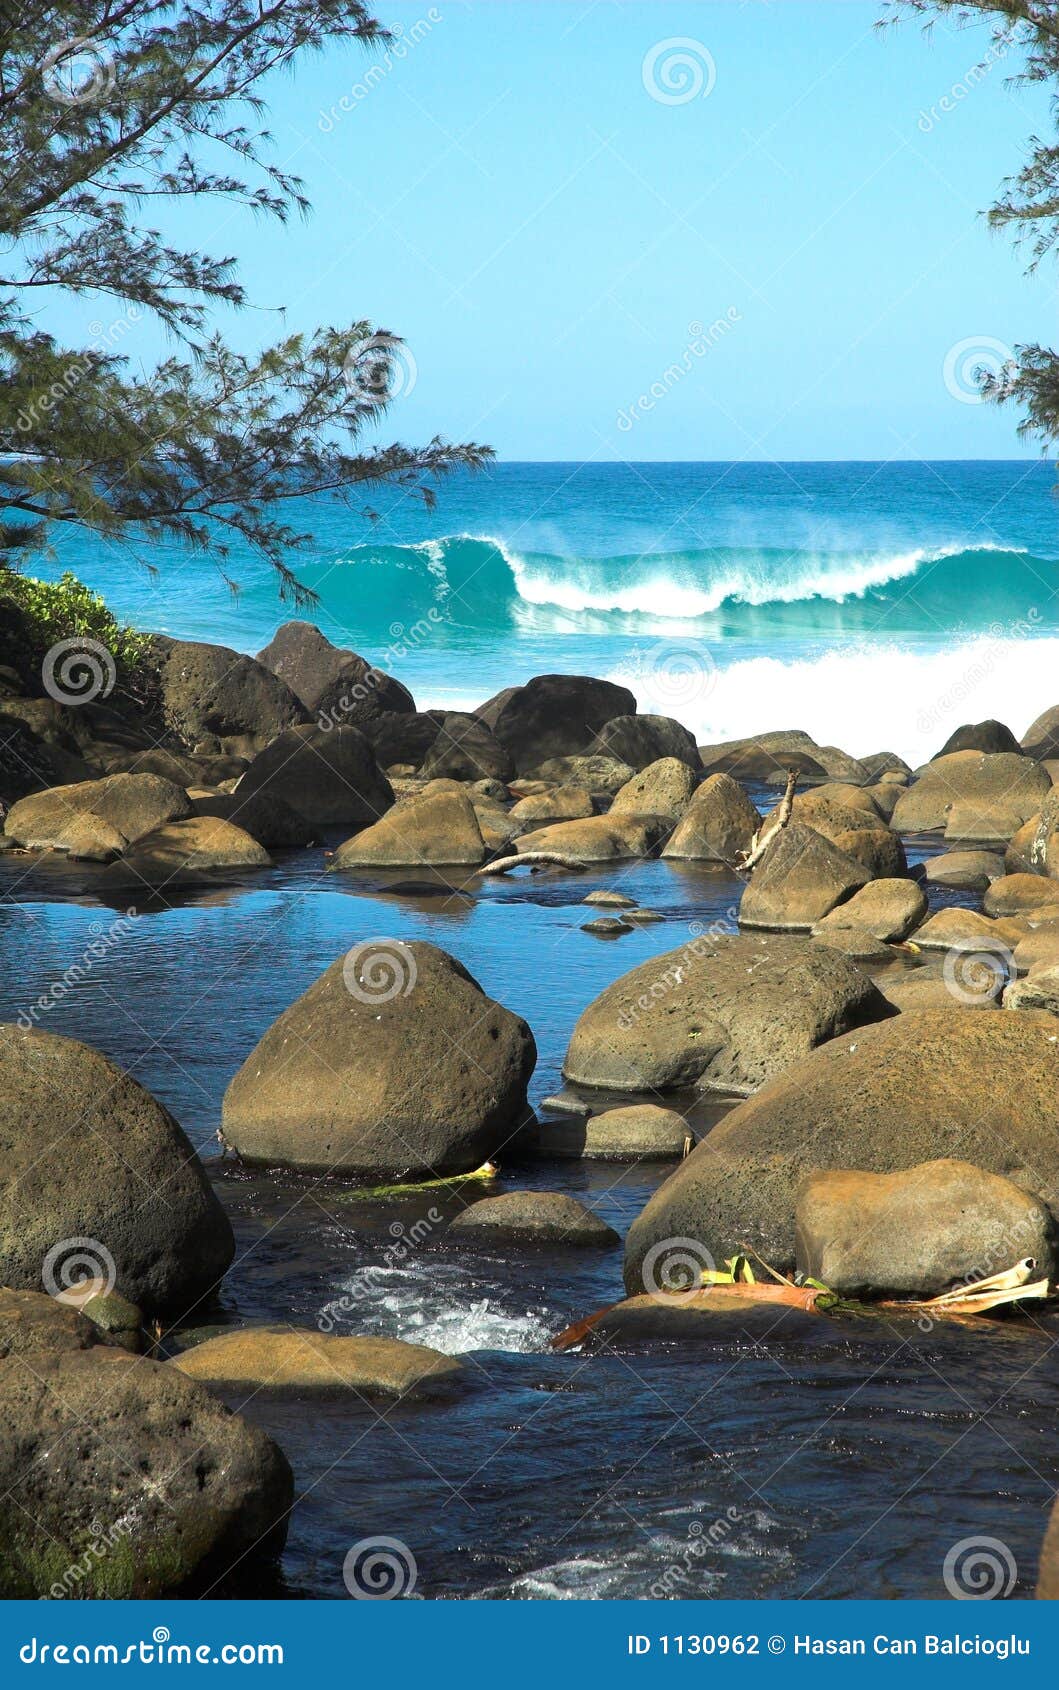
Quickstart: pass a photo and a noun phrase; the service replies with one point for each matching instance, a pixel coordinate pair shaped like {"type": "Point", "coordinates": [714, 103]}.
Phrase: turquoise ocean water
{"type": "Point", "coordinates": [871, 604]}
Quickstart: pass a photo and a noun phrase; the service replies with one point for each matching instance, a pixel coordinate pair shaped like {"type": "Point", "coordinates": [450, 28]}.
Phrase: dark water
{"type": "Point", "coordinates": [848, 1464]}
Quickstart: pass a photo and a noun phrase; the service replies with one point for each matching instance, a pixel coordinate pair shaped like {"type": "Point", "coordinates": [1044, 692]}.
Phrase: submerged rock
{"type": "Point", "coordinates": [298, 1362]}
{"type": "Point", "coordinates": [119, 1477]}
{"type": "Point", "coordinates": [638, 1132]}
{"type": "Point", "coordinates": [187, 850]}
{"type": "Point", "coordinates": [394, 1063]}
{"type": "Point", "coordinates": [533, 1217]}
{"type": "Point", "coordinates": [724, 1014]}
{"type": "Point", "coordinates": [925, 1085]}
{"type": "Point", "coordinates": [916, 1232]}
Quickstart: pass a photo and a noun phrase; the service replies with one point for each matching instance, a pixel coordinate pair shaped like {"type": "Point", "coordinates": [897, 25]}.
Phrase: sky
{"type": "Point", "coordinates": [557, 204]}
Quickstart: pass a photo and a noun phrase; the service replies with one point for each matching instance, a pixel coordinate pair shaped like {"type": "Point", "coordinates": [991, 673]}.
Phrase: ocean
{"type": "Point", "coordinates": [876, 605]}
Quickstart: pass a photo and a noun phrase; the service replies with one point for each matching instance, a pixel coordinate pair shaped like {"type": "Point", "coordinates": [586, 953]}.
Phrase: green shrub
{"type": "Point", "coordinates": [67, 609]}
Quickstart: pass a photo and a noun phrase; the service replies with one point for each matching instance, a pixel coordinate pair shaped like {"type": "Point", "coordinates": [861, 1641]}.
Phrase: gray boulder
{"type": "Point", "coordinates": [216, 699]}
{"type": "Point", "coordinates": [91, 1156]}
{"type": "Point", "coordinates": [925, 1085]}
{"type": "Point", "coordinates": [330, 778]}
{"type": "Point", "coordinates": [722, 1014]}
{"type": "Point", "coordinates": [115, 812]}
{"type": "Point", "coordinates": [430, 828]}
{"type": "Point", "coordinates": [553, 716]}
{"type": "Point", "coordinates": [641, 740]}
{"type": "Point", "coordinates": [661, 789]}
{"type": "Point", "coordinates": [919, 1231]}
{"type": "Point", "coordinates": [394, 1063]}
{"type": "Point", "coordinates": [799, 880]}
{"type": "Point", "coordinates": [119, 1477]}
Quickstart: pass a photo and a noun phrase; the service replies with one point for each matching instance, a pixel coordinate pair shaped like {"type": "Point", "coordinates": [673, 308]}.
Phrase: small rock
{"type": "Point", "coordinates": [636, 1133]}
{"type": "Point", "coordinates": [611, 900]}
{"type": "Point", "coordinates": [533, 1217]}
{"type": "Point", "coordinates": [283, 1359]}
{"type": "Point", "coordinates": [971, 871]}
{"type": "Point", "coordinates": [606, 926]}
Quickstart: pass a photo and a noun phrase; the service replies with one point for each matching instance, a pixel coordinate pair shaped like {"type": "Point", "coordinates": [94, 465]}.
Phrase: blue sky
{"type": "Point", "coordinates": [510, 196]}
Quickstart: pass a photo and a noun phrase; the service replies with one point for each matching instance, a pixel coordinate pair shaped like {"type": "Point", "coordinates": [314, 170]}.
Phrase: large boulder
{"type": "Point", "coordinates": [916, 1232]}
{"type": "Point", "coordinates": [641, 740]}
{"type": "Point", "coordinates": [359, 693]}
{"type": "Point", "coordinates": [119, 1477]}
{"type": "Point", "coordinates": [599, 774]}
{"type": "Point", "coordinates": [978, 796]}
{"type": "Point", "coordinates": [432, 828]}
{"type": "Point", "coordinates": [991, 736]}
{"type": "Point", "coordinates": [925, 1085]}
{"type": "Point", "coordinates": [94, 1164]}
{"type": "Point", "coordinates": [187, 851]}
{"type": "Point", "coordinates": [116, 811]}
{"type": "Point", "coordinates": [1034, 849]}
{"type": "Point", "coordinates": [1014, 893]}
{"type": "Point", "coordinates": [264, 815]}
{"type": "Point", "coordinates": [554, 716]}
{"type": "Point", "coordinates": [394, 1062]}
{"type": "Point", "coordinates": [721, 1013]}
{"type": "Point", "coordinates": [718, 824]}
{"type": "Point", "coordinates": [310, 665]}
{"type": "Point", "coordinates": [216, 699]}
{"type": "Point", "coordinates": [402, 738]}
{"type": "Point", "coordinates": [330, 778]}
{"type": "Point", "coordinates": [550, 1218]}
{"type": "Point", "coordinates": [661, 789]}
{"type": "Point", "coordinates": [598, 839]}
{"type": "Point", "coordinates": [889, 909]}
{"type": "Point", "coordinates": [769, 756]}
{"type": "Point", "coordinates": [292, 1361]}
{"type": "Point", "coordinates": [464, 749]}
{"type": "Point", "coordinates": [967, 871]}
{"type": "Point", "coordinates": [800, 878]}
{"type": "Point", "coordinates": [1041, 739]}
{"type": "Point", "coordinates": [558, 804]}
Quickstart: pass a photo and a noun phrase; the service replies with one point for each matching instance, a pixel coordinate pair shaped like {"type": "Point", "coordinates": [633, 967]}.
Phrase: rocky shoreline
{"type": "Point", "coordinates": [893, 1071]}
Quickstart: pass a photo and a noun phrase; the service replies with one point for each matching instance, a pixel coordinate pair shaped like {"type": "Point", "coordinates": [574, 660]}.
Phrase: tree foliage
{"type": "Point", "coordinates": [1028, 206]}
{"type": "Point", "coordinates": [107, 107]}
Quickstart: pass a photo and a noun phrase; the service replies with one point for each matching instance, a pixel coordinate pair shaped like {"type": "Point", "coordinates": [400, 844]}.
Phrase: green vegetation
{"type": "Point", "coordinates": [53, 611]}
{"type": "Point", "coordinates": [108, 111]}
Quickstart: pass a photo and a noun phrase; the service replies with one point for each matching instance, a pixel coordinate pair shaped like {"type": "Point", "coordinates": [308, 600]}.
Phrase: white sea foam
{"type": "Point", "coordinates": [863, 698]}
{"type": "Point", "coordinates": [440, 1306]}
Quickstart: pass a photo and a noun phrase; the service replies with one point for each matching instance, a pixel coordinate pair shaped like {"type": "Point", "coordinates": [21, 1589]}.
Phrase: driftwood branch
{"type": "Point", "coordinates": [766, 833]}
{"type": "Point", "coordinates": [555, 859]}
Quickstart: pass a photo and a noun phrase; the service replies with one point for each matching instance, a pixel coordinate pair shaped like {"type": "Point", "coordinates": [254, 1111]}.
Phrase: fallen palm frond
{"type": "Point", "coordinates": [357, 1194]}
{"type": "Point", "coordinates": [736, 1282]}
{"type": "Point", "coordinates": [978, 1296]}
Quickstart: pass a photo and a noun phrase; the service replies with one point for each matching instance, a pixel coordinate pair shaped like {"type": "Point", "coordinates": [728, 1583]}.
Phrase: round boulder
{"type": "Point", "coordinates": [330, 778]}
{"type": "Point", "coordinates": [641, 740]}
{"type": "Point", "coordinates": [554, 716]}
{"type": "Point", "coordinates": [429, 828]}
{"type": "Point", "coordinates": [533, 1217]}
{"type": "Point", "coordinates": [800, 878]}
{"type": "Point", "coordinates": [889, 909]}
{"type": "Point", "coordinates": [394, 1063]}
{"type": "Point", "coordinates": [723, 1014]}
{"type": "Point", "coordinates": [662, 789]}
{"type": "Point", "coordinates": [119, 1477]}
{"type": "Point", "coordinates": [718, 824]}
{"type": "Point", "coordinates": [96, 1174]}
{"type": "Point", "coordinates": [925, 1085]}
